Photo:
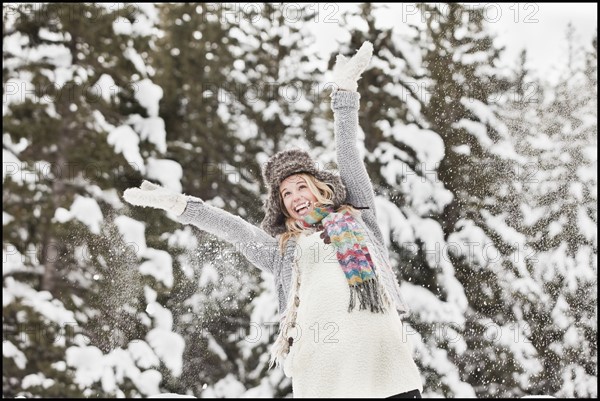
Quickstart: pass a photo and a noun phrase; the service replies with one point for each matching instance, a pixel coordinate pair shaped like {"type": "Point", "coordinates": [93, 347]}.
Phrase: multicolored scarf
{"type": "Point", "coordinates": [343, 231]}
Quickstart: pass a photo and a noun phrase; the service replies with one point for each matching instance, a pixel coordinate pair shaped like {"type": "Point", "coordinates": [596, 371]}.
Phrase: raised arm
{"type": "Point", "coordinates": [352, 168]}
{"type": "Point", "coordinates": [345, 104]}
{"type": "Point", "coordinates": [255, 244]}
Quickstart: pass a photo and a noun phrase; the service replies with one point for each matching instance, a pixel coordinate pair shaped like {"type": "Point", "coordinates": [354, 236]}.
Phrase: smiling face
{"type": "Point", "coordinates": [296, 196]}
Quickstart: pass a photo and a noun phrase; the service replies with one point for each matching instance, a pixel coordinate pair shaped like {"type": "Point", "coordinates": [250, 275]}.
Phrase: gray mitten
{"type": "Point", "coordinates": [152, 195]}
{"type": "Point", "coordinates": [346, 73]}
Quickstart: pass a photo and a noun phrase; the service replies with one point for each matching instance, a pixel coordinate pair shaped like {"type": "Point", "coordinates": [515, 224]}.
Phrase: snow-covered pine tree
{"type": "Point", "coordinates": [189, 58]}
{"type": "Point", "coordinates": [557, 135]}
{"type": "Point", "coordinates": [479, 164]}
{"type": "Point", "coordinates": [79, 108]}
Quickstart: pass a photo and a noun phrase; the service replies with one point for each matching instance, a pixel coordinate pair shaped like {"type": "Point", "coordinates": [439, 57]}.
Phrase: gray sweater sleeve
{"type": "Point", "coordinates": [255, 244]}
{"type": "Point", "coordinates": [353, 172]}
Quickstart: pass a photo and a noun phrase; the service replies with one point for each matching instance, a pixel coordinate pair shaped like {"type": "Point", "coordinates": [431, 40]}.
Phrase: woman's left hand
{"type": "Point", "coordinates": [346, 73]}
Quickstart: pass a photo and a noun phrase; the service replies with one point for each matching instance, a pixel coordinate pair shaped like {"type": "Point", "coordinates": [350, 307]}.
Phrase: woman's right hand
{"type": "Point", "coordinates": [152, 195]}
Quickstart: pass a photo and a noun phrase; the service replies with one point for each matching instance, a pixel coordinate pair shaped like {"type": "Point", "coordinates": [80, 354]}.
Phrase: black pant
{"type": "Point", "coordinates": [408, 394]}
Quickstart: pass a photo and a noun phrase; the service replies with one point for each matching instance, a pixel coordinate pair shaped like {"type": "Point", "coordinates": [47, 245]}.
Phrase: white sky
{"type": "Point", "coordinates": [545, 39]}
{"type": "Point", "coordinates": [538, 27]}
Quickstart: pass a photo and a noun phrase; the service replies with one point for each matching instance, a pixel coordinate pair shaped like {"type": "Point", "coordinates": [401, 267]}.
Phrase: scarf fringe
{"type": "Point", "coordinates": [368, 295]}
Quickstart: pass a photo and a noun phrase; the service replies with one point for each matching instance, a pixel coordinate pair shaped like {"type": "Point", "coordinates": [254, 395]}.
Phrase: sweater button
{"type": "Point", "coordinates": [290, 341]}
{"type": "Point", "coordinates": [297, 300]}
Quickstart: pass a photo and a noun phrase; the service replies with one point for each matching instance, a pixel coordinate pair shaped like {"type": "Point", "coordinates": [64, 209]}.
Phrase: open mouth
{"type": "Point", "coordinates": [302, 208]}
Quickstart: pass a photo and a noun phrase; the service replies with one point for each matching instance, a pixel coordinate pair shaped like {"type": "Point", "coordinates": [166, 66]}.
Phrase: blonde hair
{"type": "Point", "coordinates": [324, 195]}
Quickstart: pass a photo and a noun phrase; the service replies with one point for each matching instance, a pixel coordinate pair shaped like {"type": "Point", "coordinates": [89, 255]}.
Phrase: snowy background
{"type": "Point", "coordinates": [483, 160]}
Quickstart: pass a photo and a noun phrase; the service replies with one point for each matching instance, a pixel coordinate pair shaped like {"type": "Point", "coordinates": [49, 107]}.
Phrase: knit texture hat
{"type": "Point", "coordinates": [278, 168]}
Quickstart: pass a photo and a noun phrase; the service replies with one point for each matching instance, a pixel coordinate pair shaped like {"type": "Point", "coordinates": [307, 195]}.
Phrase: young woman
{"type": "Point", "coordinates": [341, 333]}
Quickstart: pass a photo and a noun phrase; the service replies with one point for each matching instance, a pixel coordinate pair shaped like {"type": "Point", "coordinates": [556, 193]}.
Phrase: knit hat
{"type": "Point", "coordinates": [278, 168]}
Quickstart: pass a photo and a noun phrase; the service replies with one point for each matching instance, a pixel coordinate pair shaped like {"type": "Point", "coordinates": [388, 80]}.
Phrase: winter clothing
{"type": "Point", "coordinates": [278, 168]}
{"type": "Point", "coordinates": [337, 353]}
{"type": "Point", "coordinates": [151, 195]}
{"type": "Point", "coordinates": [352, 253]}
{"type": "Point", "coordinates": [346, 73]}
{"type": "Point", "coordinates": [354, 259]}
{"type": "Point", "coordinates": [262, 250]}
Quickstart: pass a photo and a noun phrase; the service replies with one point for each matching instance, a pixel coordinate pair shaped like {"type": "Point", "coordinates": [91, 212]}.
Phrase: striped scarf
{"type": "Point", "coordinates": [344, 232]}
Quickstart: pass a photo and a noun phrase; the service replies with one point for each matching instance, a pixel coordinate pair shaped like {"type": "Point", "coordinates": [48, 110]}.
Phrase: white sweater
{"type": "Point", "coordinates": [337, 353]}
